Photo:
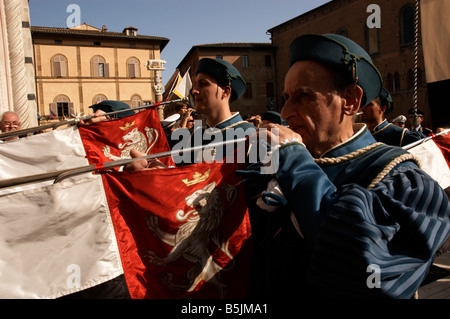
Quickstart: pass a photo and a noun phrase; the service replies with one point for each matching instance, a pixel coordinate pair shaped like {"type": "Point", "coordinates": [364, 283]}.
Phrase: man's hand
{"type": "Point", "coordinates": [98, 117]}
{"type": "Point", "coordinates": [142, 164]}
{"type": "Point", "coordinates": [278, 133]}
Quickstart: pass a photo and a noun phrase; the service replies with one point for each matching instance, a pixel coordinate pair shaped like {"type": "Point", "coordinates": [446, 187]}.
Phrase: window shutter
{"type": "Point", "coordinates": [57, 69]}
{"type": "Point", "coordinates": [106, 70]}
{"type": "Point", "coordinates": [95, 70]}
{"type": "Point", "coordinates": [63, 68]}
{"type": "Point", "coordinates": [131, 72]}
{"type": "Point", "coordinates": [71, 109]}
{"type": "Point", "coordinates": [137, 71]}
{"type": "Point", "coordinates": [53, 109]}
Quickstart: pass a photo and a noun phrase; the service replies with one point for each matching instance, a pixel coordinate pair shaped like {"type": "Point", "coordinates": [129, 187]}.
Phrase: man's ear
{"type": "Point", "coordinates": [353, 95]}
{"type": "Point", "coordinates": [226, 91]}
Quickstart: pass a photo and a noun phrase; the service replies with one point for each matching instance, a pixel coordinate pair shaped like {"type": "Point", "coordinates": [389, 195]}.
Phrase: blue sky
{"type": "Point", "coordinates": [185, 23]}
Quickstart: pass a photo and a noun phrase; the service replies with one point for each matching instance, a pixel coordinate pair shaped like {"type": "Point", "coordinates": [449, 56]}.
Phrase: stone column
{"type": "Point", "coordinates": [157, 66]}
{"type": "Point", "coordinates": [17, 45]}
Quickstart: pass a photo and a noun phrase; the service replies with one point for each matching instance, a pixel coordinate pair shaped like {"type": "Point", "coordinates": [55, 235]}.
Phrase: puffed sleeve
{"type": "Point", "coordinates": [377, 242]}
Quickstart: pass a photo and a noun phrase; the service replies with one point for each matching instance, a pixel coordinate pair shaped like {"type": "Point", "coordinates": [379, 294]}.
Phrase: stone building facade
{"type": "Point", "coordinates": [391, 45]}
{"type": "Point", "coordinates": [80, 66]}
{"type": "Point", "coordinates": [255, 62]}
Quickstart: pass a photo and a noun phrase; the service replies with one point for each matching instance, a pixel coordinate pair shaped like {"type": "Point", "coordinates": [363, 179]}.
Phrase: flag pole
{"type": "Point", "coordinates": [59, 175]}
{"type": "Point", "coordinates": [413, 144]}
{"type": "Point", "coordinates": [173, 86]}
{"type": "Point", "coordinates": [85, 118]}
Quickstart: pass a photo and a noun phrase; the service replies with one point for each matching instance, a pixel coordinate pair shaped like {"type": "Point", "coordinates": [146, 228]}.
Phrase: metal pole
{"type": "Point", "coordinates": [62, 174]}
{"type": "Point", "coordinates": [85, 118]}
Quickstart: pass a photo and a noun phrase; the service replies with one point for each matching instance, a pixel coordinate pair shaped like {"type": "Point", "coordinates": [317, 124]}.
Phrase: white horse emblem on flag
{"type": "Point", "coordinates": [134, 139]}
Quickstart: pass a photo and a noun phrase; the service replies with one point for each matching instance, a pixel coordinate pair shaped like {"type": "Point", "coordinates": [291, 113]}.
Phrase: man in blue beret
{"type": "Point", "coordinates": [373, 115]}
{"type": "Point", "coordinates": [107, 106]}
{"type": "Point", "coordinates": [216, 85]}
{"type": "Point", "coordinates": [345, 216]}
{"type": "Point", "coordinates": [272, 117]}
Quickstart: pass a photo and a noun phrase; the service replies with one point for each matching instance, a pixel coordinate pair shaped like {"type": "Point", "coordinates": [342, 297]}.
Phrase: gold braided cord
{"type": "Point", "coordinates": [391, 165]}
{"type": "Point", "coordinates": [347, 157]}
{"type": "Point", "coordinates": [382, 174]}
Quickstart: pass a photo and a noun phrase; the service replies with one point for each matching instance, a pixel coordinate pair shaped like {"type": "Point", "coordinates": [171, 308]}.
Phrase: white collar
{"type": "Point", "coordinates": [359, 128]}
{"type": "Point", "coordinates": [227, 119]}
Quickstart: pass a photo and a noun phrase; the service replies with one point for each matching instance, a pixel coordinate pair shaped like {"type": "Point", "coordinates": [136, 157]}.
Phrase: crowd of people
{"type": "Point", "coordinates": [346, 204]}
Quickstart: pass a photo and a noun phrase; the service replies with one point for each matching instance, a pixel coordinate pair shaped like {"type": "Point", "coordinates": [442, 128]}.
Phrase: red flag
{"type": "Point", "coordinates": [113, 140]}
{"type": "Point", "coordinates": [443, 142]}
{"type": "Point", "coordinates": [182, 232]}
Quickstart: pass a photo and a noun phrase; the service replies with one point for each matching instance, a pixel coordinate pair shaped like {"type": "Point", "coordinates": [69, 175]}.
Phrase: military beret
{"type": "Point", "coordinates": [386, 100]}
{"type": "Point", "coordinates": [111, 106]}
{"type": "Point", "coordinates": [273, 117]}
{"type": "Point", "coordinates": [342, 55]}
{"type": "Point", "coordinates": [225, 74]}
{"type": "Point", "coordinates": [170, 121]}
{"type": "Point", "coordinates": [399, 119]}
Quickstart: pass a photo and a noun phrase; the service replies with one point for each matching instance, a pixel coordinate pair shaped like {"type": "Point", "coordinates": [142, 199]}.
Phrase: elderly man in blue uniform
{"type": "Point", "coordinates": [373, 115]}
{"type": "Point", "coordinates": [351, 217]}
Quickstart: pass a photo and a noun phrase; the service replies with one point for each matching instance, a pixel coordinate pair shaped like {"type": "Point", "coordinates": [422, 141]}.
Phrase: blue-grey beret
{"type": "Point", "coordinates": [386, 100]}
{"type": "Point", "coordinates": [225, 74]}
{"type": "Point", "coordinates": [342, 55]}
{"type": "Point", "coordinates": [274, 117]}
{"type": "Point", "coordinates": [111, 106]}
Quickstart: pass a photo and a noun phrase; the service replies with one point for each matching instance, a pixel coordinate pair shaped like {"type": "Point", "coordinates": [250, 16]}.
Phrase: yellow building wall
{"type": "Point", "coordinates": [80, 87]}
{"type": "Point", "coordinates": [53, 89]}
{"type": "Point", "coordinates": [49, 51]}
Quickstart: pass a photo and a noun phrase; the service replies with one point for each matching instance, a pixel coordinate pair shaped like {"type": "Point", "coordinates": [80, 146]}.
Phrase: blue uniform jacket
{"type": "Point", "coordinates": [391, 134]}
{"type": "Point", "coordinates": [232, 128]}
{"type": "Point", "coordinates": [369, 221]}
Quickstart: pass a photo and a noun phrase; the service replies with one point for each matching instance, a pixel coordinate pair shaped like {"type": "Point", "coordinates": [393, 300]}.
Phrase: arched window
{"type": "Point", "coordinates": [61, 107]}
{"type": "Point", "coordinates": [98, 98]}
{"type": "Point", "coordinates": [396, 82]}
{"type": "Point", "coordinates": [372, 40]}
{"type": "Point", "coordinates": [390, 83]}
{"type": "Point", "coordinates": [59, 63]}
{"type": "Point", "coordinates": [406, 24]}
{"type": "Point", "coordinates": [99, 67]}
{"type": "Point", "coordinates": [136, 101]}
{"type": "Point", "coordinates": [133, 67]}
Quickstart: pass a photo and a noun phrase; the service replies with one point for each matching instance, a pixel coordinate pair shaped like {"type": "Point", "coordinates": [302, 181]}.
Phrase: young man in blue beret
{"type": "Point", "coordinates": [216, 85]}
{"type": "Point", "coordinates": [352, 218]}
{"type": "Point", "coordinates": [373, 115]}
